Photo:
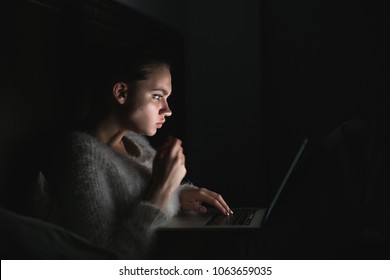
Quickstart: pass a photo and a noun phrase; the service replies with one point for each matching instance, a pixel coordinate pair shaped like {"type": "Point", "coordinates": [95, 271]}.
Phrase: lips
{"type": "Point", "coordinates": [160, 124]}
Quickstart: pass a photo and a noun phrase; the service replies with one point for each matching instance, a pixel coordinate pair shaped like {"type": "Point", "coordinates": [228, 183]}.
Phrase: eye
{"type": "Point", "coordinates": [157, 97]}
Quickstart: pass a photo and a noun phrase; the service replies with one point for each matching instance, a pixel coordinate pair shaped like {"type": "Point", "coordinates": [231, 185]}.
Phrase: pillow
{"type": "Point", "coordinates": [23, 237]}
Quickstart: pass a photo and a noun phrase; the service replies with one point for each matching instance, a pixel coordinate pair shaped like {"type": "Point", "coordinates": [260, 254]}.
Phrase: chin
{"type": "Point", "coordinates": [151, 133]}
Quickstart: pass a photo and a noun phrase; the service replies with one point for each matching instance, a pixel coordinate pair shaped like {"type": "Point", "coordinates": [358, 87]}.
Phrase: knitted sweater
{"type": "Point", "coordinates": [98, 194]}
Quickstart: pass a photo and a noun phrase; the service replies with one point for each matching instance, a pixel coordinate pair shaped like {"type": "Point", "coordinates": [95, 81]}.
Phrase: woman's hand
{"type": "Point", "coordinates": [191, 200]}
{"type": "Point", "coordinates": [168, 172]}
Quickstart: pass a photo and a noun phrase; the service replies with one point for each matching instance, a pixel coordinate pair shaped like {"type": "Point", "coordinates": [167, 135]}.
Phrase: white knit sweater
{"type": "Point", "coordinates": [98, 194]}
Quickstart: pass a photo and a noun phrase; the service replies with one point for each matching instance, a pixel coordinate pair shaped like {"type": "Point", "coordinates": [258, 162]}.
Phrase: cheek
{"type": "Point", "coordinates": [144, 113]}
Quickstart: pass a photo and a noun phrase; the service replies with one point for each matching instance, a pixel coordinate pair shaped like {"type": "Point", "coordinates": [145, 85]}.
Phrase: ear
{"type": "Point", "coordinates": [120, 92]}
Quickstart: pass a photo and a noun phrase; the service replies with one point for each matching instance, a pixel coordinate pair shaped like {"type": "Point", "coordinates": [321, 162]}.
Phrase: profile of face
{"type": "Point", "coordinates": [144, 109]}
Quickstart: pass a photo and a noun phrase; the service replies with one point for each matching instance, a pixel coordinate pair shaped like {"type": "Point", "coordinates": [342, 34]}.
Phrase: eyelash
{"type": "Point", "coordinates": [157, 97]}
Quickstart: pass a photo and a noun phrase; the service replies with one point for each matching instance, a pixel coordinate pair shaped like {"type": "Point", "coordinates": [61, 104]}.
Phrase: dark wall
{"type": "Point", "coordinates": [328, 56]}
{"type": "Point", "coordinates": [224, 99]}
{"type": "Point", "coordinates": [323, 62]}
{"type": "Point", "coordinates": [28, 97]}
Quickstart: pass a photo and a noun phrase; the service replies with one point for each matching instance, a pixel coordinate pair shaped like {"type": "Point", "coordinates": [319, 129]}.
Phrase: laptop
{"type": "Point", "coordinates": [243, 217]}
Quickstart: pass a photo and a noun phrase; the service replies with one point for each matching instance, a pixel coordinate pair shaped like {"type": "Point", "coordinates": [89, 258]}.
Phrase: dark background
{"type": "Point", "coordinates": [251, 79]}
{"type": "Point", "coordinates": [262, 75]}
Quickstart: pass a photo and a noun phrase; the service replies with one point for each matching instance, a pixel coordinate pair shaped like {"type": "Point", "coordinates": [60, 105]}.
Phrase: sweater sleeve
{"type": "Point", "coordinates": [88, 206]}
{"type": "Point", "coordinates": [174, 204]}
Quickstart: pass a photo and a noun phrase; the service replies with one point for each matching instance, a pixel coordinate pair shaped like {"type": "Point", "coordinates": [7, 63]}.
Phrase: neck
{"type": "Point", "coordinates": [108, 132]}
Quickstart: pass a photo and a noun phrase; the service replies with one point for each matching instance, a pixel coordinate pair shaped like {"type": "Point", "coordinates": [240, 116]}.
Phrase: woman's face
{"type": "Point", "coordinates": [147, 106]}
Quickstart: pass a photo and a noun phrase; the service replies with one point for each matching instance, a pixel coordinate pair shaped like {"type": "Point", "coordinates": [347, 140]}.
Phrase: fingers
{"type": "Point", "coordinates": [176, 150]}
{"type": "Point", "coordinates": [173, 149]}
{"type": "Point", "coordinates": [200, 208]}
{"type": "Point", "coordinates": [169, 162]}
{"type": "Point", "coordinates": [168, 171]}
{"type": "Point", "coordinates": [213, 199]}
{"type": "Point", "coordinates": [171, 146]}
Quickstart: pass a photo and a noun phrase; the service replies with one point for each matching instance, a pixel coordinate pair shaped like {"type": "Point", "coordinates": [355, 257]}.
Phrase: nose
{"type": "Point", "coordinates": [166, 110]}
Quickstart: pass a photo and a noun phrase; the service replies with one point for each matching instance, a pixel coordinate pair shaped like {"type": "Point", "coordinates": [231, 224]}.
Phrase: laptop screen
{"type": "Point", "coordinates": [285, 179]}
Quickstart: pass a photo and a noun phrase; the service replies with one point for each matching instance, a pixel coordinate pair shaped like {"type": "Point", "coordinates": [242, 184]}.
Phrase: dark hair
{"type": "Point", "coordinates": [136, 67]}
{"type": "Point", "coordinates": [124, 64]}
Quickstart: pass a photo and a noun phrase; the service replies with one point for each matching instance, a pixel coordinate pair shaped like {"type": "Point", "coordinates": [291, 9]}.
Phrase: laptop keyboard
{"type": "Point", "coordinates": [241, 216]}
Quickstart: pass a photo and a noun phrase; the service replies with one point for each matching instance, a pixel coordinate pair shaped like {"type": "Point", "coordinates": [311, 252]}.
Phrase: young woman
{"type": "Point", "coordinates": [108, 184]}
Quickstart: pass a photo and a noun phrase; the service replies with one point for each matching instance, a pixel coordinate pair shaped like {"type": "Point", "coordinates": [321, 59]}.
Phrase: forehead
{"type": "Point", "coordinates": [159, 78]}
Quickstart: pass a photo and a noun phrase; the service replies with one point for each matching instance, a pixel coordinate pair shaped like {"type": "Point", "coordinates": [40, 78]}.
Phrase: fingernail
{"type": "Point", "coordinates": [231, 212]}
{"type": "Point", "coordinates": [203, 210]}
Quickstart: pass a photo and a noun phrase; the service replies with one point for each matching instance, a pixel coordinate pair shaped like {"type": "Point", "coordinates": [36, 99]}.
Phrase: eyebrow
{"type": "Point", "coordinates": [162, 90]}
